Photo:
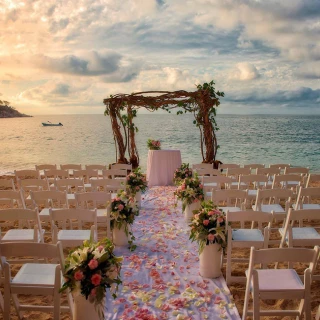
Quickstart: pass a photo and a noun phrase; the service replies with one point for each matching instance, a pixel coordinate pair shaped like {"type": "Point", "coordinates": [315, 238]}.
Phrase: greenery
{"type": "Point", "coordinates": [209, 226]}
{"type": "Point", "coordinates": [136, 181]}
{"type": "Point", "coordinates": [6, 111]}
{"type": "Point", "coordinates": [181, 173]}
{"type": "Point", "coordinates": [90, 270]}
{"type": "Point", "coordinates": [123, 212]}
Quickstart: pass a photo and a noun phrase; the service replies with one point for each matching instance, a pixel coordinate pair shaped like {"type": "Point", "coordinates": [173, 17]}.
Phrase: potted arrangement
{"type": "Point", "coordinates": [136, 184]}
{"type": "Point", "coordinates": [123, 212]}
{"type": "Point", "coordinates": [181, 173]}
{"type": "Point", "coordinates": [208, 228]}
{"type": "Point", "coordinates": [190, 192]}
{"type": "Point", "coordinates": [89, 271]}
{"type": "Point", "coordinates": [153, 144]}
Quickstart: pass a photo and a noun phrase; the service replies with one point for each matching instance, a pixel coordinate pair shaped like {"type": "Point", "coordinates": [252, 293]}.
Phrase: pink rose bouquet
{"type": "Point", "coordinates": [136, 181]}
{"type": "Point", "coordinates": [154, 144]}
{"type": "Point", "coordinates": [190, 190]}
{"type": "Point", "coordinates": [209, 226]}
{"type": "Point", "coordinates": [90, 270]}
{"type": "Point", "coordinates": [181, 173]}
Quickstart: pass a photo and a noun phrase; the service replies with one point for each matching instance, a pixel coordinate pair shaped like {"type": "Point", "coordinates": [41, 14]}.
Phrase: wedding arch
{"type": "Point", "coordinates": [122, 109]}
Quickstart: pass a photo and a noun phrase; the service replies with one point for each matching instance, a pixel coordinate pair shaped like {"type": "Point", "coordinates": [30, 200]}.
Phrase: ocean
{"type": "Point", "coordinates": [88, 139]}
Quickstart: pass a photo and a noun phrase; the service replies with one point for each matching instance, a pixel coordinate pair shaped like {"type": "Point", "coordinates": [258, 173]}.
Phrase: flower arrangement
{"type": "Point", "coordinates": [123, 212]}
{"type": "Point", "coordinates": [181, 173]}
{"type": "Point", "coordinates": [190, 190]}
{"type": "Point", "coordinates": [90, 270]}
{"type": "Point", "coordinates": [136, 181]}
{"type": "Point", "coordinates": [209, 226]}
{"type": "Point", "coordinates": [154, 144]}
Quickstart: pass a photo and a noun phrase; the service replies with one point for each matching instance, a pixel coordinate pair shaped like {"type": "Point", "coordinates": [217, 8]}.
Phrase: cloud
{"type": "Point", "coordinates": [309, 71]}
{"type": "Point", "coordinates": [245, 71]}
{"type": "Point", "coordinates": [302, 97]}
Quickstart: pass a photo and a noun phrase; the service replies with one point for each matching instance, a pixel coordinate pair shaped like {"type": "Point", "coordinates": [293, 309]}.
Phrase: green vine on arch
{"type": "Point", "coordinates": [202, 103]}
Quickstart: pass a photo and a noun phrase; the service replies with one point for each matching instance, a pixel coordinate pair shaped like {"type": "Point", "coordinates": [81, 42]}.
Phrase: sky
{"type": "Point", "coordinates": [66, 56]}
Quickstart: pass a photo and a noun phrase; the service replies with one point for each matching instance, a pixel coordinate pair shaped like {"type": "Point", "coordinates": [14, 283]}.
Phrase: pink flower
{"type": "Point", "coordinates": [195, 200]}
{"type": "Point", "coordinates": [211, 237]}
{"type": "Point", "coordinates": [206, 222]}
{"type": "Point", "coordinates": [200, 197]}
{"type": "Point", "coordinates": [201, 186]}
{"type": "Point", "coordinates": [120, 206]}
{"type": "Point", "coordinates": [100, 248]}
{"type": "Point", "coordinates": [183, 186]}
{"type": "Point", "coordinates": [210, 213]}
{"type": "Point", "coordinates": [137, 188]}
{"type": "Point", "coordinates": [93, 264]}
{"type": "Point", "coordinates": [78, 275]}
{"type": "Point", "coordinates": [96, 279]}
{"type": "Point", "coordinates": [220, 219]}
{"type": "Point", "coordinates": [93, 292]}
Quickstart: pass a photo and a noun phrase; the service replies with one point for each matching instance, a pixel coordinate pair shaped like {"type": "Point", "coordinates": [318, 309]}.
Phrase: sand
{"type": "Point", "coordinates": [237, 290]}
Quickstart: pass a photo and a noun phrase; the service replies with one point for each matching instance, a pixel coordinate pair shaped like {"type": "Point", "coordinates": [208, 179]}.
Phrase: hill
{"type": "Point", "coordinates": [10, 112]}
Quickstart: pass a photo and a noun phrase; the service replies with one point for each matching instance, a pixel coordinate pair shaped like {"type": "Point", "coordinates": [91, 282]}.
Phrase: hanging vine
{"type": "Point", "coordinates": [202, 103]}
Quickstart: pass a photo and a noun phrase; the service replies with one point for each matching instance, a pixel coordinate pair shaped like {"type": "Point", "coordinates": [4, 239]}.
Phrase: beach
{"type": "Point", "coordinates": [236, 290]}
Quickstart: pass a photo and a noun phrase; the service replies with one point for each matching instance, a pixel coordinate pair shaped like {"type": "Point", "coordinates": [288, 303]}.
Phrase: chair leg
{"type": "Point", "coordinates": [1, 302]}
{"type": "Point", "coordinates": [70, 302]}
{"type": "Point", "coordinates": [7, 295]}
{"type": "Point", "coordinates": [56, 305]}
{"type": "Point", "coordinates": [17, 305]}
{"type": "Point", "coordinates": [246, 303]}
{"type": "Point", "coordinates": [228, 264]}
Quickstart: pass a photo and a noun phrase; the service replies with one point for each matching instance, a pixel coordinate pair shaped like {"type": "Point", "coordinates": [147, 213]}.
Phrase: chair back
{"type": "Point", "coordinates": [91, 200]}
{"type": "Point", "coordinates": [86, 174]}
{"type": "Point", "coordinates": [286, 181]}
{"type": "Point", "coordinates": [7, 184]}
{"type": "Point", "coordinates": [306, 195]}
{"type": "Point", "coordinates": [225, 166]}
{"type": "Point", "coordinates": [51, 198]}
{"type": "Point", "coordinates": [202, 166]}
{"type": "Point", "coordinates": [26, 174]}
{"type": "Point", "coordinates": [114, 173]}
{"type": "Point", "coordinates": [268, 171]}
{"type": "Point", "coordinates": [70, 185]}
{"type": "Point", "coordinates": [273, 196]}
{"type": "Point", "coordinates": [236, 172]}
{"type": "Point", "coordinates": [56, 174]}
{"type": "Point", "coordinates": [10, 197]}
{"type": "Point", "coordinates": [70, 168]}
{"type": "Point", "coordinates": [108, 185]}
{"type": "Point", "coordinates": [67, 215]}
{"type": "Point", "coordinates": [279, 165]}
{"type": "Point", "coordinates": [312, 178]}
{"type": "Point", "coordinates": [296, 170]}
{"type": "Point", "coordinates": [252, 181]}
{"type": "Point", "coordinates": [255, 216]}
{"type": "Point", "coordinates": [230, 197]}
{"type": "Point", "coordinates": [121, 166]}
{"type": "Point", "coordinates": [207, 172]}
{"type": "Point", "coordinates": [218, 182]}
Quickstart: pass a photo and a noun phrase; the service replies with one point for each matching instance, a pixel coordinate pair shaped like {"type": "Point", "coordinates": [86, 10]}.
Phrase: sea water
{"type": "Point", "coordinates": [88, 139]}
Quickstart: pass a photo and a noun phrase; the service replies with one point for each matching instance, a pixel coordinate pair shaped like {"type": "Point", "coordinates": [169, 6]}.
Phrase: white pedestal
{"type": "Point", "coordinates": [188, 211]}
{"type": "Point", "coordinates": [119, 237]}
{"type": "Point", "coordinates": [210, 261]}
{"type": "Point", "coordinates": [84, 309]}
{"type": "Point", "coordinates": [138, 199]}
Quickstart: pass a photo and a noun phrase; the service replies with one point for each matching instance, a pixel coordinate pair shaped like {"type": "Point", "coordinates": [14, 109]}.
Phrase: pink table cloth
{"type": "Point", "coordinates": [161, 166]}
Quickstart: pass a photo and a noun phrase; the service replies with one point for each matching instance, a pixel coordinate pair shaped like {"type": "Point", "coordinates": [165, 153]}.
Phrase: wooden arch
{"type": "Point", "coordinates": [202, 103]}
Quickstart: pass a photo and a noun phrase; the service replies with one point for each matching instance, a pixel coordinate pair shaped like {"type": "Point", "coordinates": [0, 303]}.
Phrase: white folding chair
{"type": "Point", "coordinates": [93, 200]}
{"type": "Point", "coordinates": [214, 182]}
{"type": "Point", "coordinates": [234, 173]}
{"type": "Point", "coordinates": [197, 166]}
{"type": "Point", "coordinates": [70, 237]}
{"type": "Point", "coordinates": [223, 167]}
{"type": "Point", "coordinates": [269, 172]}
{"type": "Point", "coordinates": [6, 185]}
{"type": "Point", "coordinates": [296, 170]}
{"type": "Point", "coordinates": [254, 166]}
{"type": "Point", "coordinates": [23, 216]}
{"type": "Point", "coordinates": [86, 175]}
{"type": "Point", "coordinates": [49, 199]}
{"type": "Point", "coordinates": [71, 186]}
{"type": "Point", "coordinates": [280, 166]}
{"type": "Point", "coordinates": [28, 185]}
{"type": "Point", "coordinates": [54, 174]}
{"type": "Point", "coordinates": [305, 198]}
{"type": "Point", "coordinates": [230, 199]}
{"type": "Point", "coordinates": [201, 172]}
{"type": "Point", "coordinates": [96, 167]}
{"type": "Point", "coordinates": [279, 283]}
{"type": "Point", "coordinates": [33, 278]}
{"type": "Point", "coordinates": [122, 166]}
{"type": "Point", "coordinates": [245, 238]}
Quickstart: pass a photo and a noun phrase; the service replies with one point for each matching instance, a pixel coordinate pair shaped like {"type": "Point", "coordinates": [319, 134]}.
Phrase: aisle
{"type": "Point", "coordinates": [161, 277]}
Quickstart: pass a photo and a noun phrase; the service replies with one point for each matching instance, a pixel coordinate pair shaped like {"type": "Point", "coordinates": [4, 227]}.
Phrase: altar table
{"type": "Point", "coordinates": [161, 166]}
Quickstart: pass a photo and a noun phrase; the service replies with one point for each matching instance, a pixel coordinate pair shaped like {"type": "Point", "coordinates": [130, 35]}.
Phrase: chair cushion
{"type": "Point", "coordinates": [73, 235]}
{"type": "Point", "coordinates": [19, 235]}
{"type": "Point", "coordinates": [36, 274]}
{"type": "Point", "coordinates": [278, 280]}
{"type": "Point", "coordinates": [252, 193]}
{"type": "Point", "coordinates": [247, 235]}
{"type": "Point", "coordinates": [272, 207]}
{"type": "Point", "coordinates": [307, 233]}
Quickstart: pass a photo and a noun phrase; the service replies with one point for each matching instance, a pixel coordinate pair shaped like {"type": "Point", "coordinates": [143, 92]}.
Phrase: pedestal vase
{"type": "Point", "coordinates": [210, 261]}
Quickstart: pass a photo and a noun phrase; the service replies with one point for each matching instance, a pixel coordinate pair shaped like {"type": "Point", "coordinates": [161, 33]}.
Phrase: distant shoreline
{"type": "Point", "coordinates": [9, 112]}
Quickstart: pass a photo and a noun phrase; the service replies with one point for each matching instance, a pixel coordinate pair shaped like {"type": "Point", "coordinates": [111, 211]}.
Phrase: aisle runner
{"type": "Point", "coordinates": [161, 277]}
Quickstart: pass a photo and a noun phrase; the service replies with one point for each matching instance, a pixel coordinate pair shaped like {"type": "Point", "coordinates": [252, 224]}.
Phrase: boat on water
{"type": "Point", "coordinates": [49, 124]}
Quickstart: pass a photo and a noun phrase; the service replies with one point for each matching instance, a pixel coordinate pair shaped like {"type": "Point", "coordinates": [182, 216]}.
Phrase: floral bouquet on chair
{"type": "Point", "coordinates": [154, 144]}
{"type": "Point", "coordinates": [209, 226]}
{"type": "Point", "coordinates": [123, 212]}
{"type": "Point", "coordinates": [190, 191]}
{"type": "Point", "coordinates": [181, 173]}
{"type": "Point", "coordinates": [136, 181]}
{"type": "Point", "coordinates": [90, 270]}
